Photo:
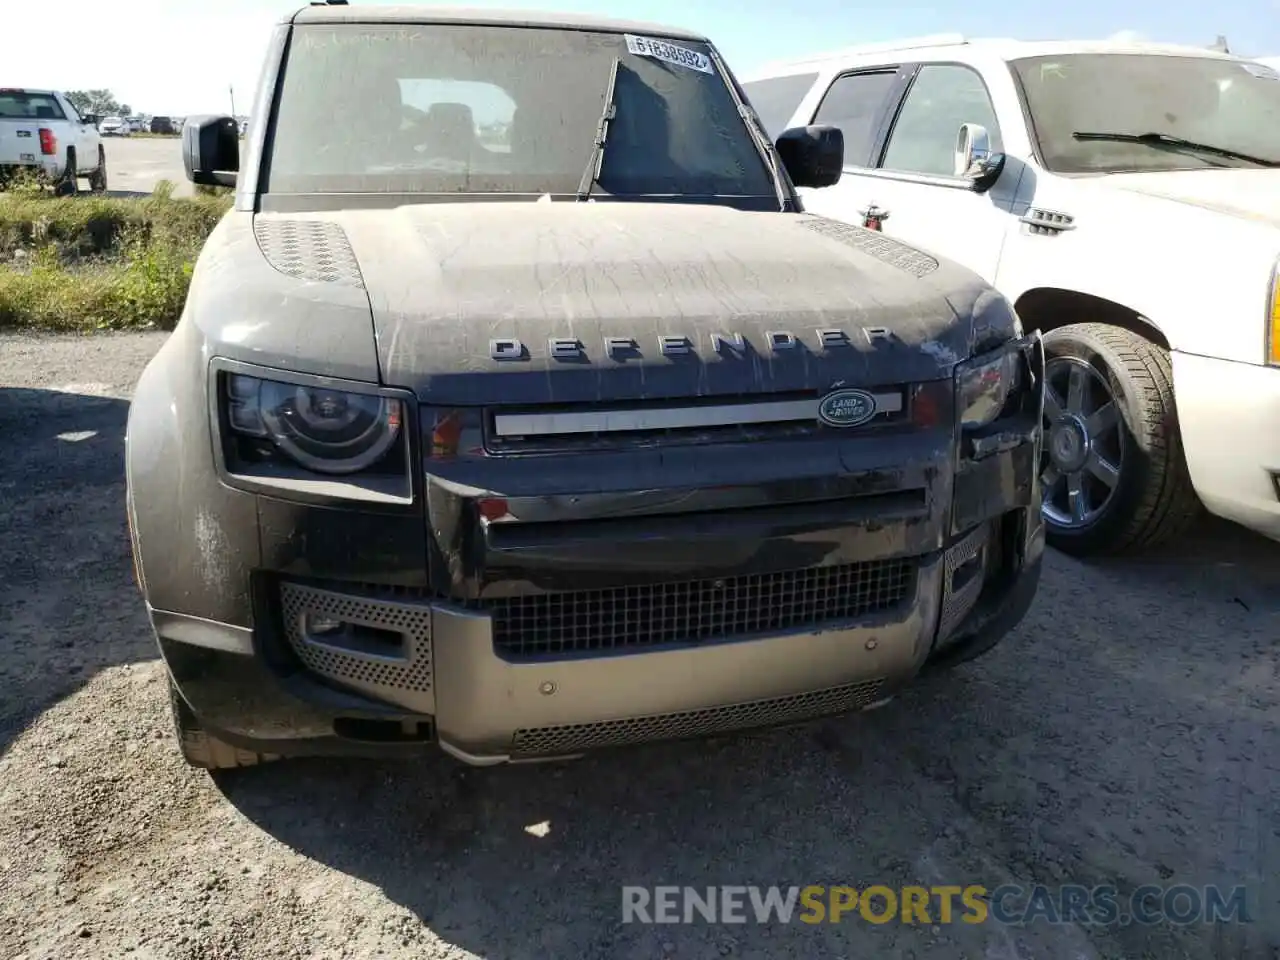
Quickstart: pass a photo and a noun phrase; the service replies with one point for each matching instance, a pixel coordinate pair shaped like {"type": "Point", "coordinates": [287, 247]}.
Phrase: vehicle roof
{"type": "Point", "coordinates": [341, 13]}
{"type": "Point", "coordinates": [1002, 48]}
{"type": "Point", "coordinates": [48, 93]}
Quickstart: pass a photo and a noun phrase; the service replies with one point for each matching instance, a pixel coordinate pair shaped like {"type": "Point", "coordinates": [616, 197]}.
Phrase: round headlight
{"type": "Point", "coordinates": [330, 431]}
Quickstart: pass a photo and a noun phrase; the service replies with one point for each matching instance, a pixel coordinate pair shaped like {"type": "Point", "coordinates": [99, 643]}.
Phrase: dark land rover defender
{"type": "Point", "coordinates": [518, 408]}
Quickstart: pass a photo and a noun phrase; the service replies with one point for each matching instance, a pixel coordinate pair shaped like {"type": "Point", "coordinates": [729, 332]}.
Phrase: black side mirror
{"type": "Point", "coordinates": [211, 150]}
{"type": "Point", "coordinates": [813, 155]}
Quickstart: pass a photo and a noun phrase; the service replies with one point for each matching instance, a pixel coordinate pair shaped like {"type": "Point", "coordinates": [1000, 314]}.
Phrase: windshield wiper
{"type": "Point", "coordinates": [591, 175]}
{"type": "Point", "coordinates": [758, 134]}
{"type": "Point", "coordinates": [1168, 140]}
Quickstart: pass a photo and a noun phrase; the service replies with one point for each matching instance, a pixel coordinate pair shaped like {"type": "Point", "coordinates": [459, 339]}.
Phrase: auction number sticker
{"type": "Point", "coordinates": [669, 53]}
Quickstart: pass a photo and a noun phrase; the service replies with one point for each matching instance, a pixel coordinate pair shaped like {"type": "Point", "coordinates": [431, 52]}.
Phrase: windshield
{"type": "Point", "coordinates": [1232, 105]}
{"type": "Point", "coordinates": [484, 110]}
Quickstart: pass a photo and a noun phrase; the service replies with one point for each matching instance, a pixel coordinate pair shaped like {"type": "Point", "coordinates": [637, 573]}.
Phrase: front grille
{"type": "Point", "coordinates": [583, 621]}
{"type": "Point", "coordinates": [727, 420]}
{"type": "Point", "coordinates": [594, 442]}
{"type": "Point", "coordinates": [580, 737]}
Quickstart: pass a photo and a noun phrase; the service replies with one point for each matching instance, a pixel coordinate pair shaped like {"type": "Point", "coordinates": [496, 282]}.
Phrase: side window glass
{"type": "Point", "coordinates": [775, 100]}
{"type": "Point", "coordinates": [943, 96]}
{"type": "Point", "coordinates": [852, 104]}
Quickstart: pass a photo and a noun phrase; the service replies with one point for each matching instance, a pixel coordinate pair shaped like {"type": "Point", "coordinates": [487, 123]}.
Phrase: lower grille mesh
{"type": "Point", "coordinates": [956, 603]}
{"type": "Point", "coordinates": [361, 669]}
{"type": "Point", "coordinates": [576, 738]}
{"type": "Point", "coordinates": [583, 621]}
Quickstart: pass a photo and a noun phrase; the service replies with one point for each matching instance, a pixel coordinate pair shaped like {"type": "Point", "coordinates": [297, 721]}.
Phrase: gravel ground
{"type": "Point", "coordinates": [136, 164]}
{"type": "Point", "coordinates": [1126, 734]}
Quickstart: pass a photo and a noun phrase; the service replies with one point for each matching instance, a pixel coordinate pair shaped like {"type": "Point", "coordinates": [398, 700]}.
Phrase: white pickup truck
{"type": "Point", "coordinates": [42, 133]}
{"type": "Point", "coordinates": [1126, 199]}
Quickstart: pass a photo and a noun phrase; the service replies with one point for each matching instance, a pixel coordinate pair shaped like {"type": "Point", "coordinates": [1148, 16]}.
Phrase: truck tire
{"type": "Point", "coordinates": [98, 179]}
{"type": "Point", "coordinates": [1114, 476]}
{"type": "Point", "coordinates": [68, 186]}
{"type": "Point", "coordinates": [202, 750]}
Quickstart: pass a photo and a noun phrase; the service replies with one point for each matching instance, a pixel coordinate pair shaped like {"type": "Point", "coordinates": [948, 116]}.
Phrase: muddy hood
{"type": "Point", "coordinates": [648, 301]}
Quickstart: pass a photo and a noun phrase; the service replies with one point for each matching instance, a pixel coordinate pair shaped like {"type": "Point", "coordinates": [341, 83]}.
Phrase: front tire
{"type": "Point", "coordinates": [1114, 475]}
{"type": "Point", "coordinates": [199, 748]}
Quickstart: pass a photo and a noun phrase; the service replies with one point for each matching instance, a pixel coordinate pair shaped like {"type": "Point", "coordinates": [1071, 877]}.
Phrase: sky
{"type": "Point", "coordinates": [180, 57]}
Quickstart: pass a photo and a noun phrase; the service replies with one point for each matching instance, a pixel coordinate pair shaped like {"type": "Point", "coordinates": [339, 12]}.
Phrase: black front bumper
{"type": "Point", "coordinates": [248, 690]}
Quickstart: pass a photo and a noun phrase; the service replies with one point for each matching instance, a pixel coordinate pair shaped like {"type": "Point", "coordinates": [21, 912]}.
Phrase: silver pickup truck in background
{"type": "Point", "coordinates": [42, 133]}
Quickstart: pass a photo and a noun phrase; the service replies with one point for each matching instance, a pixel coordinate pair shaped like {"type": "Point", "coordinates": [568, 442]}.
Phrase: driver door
{"type": "Point", "coordinates": [913, 180]}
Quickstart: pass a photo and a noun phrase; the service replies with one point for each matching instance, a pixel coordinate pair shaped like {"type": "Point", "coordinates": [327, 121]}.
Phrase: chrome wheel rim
{"type": "Point", "coordinates": [1084, 446]}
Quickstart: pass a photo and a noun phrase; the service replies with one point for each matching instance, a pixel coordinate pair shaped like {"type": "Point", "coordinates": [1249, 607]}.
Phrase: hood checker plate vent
{"type": "Point", "coordinates": [893, 252]}
{"type": "Point", "coordinates": [316, 251]}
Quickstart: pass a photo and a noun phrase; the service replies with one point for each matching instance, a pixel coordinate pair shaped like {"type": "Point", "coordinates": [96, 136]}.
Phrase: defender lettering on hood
{"type": "Point", "coordinates": [725, 344]}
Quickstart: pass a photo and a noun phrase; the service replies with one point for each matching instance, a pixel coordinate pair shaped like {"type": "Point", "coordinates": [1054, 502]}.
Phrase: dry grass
{"type": "Point", "coordinates": [92, 263]}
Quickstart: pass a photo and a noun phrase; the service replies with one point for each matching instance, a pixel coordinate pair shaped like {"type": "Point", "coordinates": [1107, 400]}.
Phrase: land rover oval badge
{"type": "Point", "coordinates": [847, 408]}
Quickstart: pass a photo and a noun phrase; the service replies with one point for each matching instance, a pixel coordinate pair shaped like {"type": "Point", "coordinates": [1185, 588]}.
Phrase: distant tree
{"type": "Point", "coordinates": [100, 102]}
{"type": "Point", "coordinates": [126, 110]}
{"type": "Point", "coordinates": [80, 100]}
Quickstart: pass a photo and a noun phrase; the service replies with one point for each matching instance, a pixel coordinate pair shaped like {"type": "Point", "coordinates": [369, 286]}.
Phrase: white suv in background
{"type": "Point", "coordinates": [113, 127]}
{"type": "Point", "coordinates": [1126, 199]}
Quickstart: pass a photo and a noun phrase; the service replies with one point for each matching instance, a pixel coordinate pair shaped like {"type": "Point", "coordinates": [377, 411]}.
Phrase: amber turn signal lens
{"type": "Point", "coordinates": [1273, 322]}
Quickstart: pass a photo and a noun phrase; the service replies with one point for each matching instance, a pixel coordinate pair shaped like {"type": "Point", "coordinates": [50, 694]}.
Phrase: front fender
{"type": "Point", "coordinates": [1081, 276]}
{"type": "Point", "coordinates": [285, 292]}
{"type": "Point", "coordinates": [1197, 276]}
{"type": "Point", "coordinates": [194, 540]}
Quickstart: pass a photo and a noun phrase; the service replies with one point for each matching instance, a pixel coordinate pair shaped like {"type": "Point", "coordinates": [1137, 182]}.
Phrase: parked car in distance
{"type": "Point", "coordinates": [658, 455]}
{"type": "Point", "coordinates": [1126, 198]}
{"type": "Point", "coordinates": [42, 134]}
{"type": "Point", "coordinates": [162, 125]}
{"type": "Point", "coordinates": [113, 127]}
